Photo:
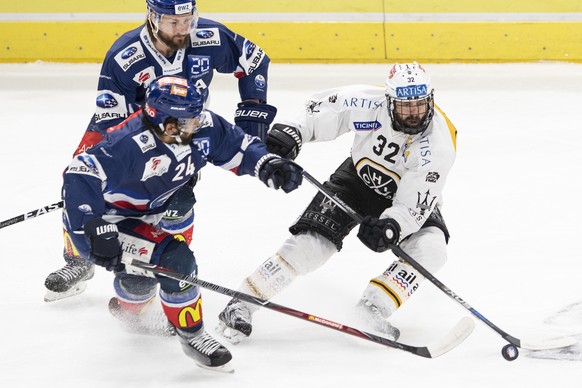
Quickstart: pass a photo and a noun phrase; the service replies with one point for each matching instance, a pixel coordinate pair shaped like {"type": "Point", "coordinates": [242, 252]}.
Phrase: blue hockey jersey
{"type": "Point", "coordinates": [132, 173]}
{"type": "Point", "coordinates": [133, 62]}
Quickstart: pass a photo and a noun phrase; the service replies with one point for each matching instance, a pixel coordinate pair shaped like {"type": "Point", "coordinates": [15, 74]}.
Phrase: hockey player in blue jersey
{"type": "Point", "coordinates": [116, 193]}
{"type": "Point", "coordinates": [173, 41]}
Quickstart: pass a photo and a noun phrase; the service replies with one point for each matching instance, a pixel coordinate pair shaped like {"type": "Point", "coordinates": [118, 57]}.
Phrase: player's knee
{"type": "Point", "coordinates": [306, 252]}
{"type": "Point", "coordinates": [428, 247]}
{"type": "Point", "coordinates": [177, 257]}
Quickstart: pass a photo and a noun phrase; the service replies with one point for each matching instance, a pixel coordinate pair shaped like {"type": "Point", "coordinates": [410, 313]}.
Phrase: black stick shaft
{"type": "Point", "coordinates": [31, 214]}
{"type": "Point", "coordinates": [419, 351]}
{"type": "Point", "coordinates": [404, 256]}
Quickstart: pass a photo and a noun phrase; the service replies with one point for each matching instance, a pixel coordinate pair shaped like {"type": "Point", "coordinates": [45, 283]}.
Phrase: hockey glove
{"type": "Point", "coordinates": [377, 233]}
{"type": "Point", "coordinates": [279, 173]}
{"type": "Point", "coordinates": [255, 118]}
{"type": "Point", "coordinates": [284, 141]}
{"type": "Point", "coordinates": [105, 246]}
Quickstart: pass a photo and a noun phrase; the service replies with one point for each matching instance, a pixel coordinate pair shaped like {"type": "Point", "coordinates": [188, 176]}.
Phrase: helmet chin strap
{"type": "Point", "coordinates": [177, 137]}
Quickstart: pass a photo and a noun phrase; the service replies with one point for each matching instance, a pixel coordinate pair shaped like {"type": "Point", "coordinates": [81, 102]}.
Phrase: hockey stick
{"type": "Point", "coordinates": [31, 214]}
{"type": "Point", "coordinates": [548, 344]}
{"type": "Point", "coordinates": [455, 337]}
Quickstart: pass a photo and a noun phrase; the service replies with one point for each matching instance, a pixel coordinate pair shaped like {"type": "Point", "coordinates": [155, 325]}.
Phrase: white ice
{"type": "Point", "coordinates": [513, 207]}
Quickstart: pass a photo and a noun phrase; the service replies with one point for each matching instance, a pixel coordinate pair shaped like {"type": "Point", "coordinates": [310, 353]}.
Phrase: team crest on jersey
{"type": "Point", "coordinates": [145, 141]}
{"type": "Point", "coordinates": [85, 208]}
{"type": "Point", "coordinates": [260, 81]}
{"type": "Point", "coordinates": [205, 37]}
{"type": "Point", "coordinates": [156, 166]}
{"type": "Point", "coordinates": [130, 55]}
{"type": "Point", "coordinates": [378, 178]}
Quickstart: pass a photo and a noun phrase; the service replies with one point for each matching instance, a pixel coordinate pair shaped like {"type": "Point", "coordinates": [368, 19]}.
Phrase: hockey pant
{"type": "Point", "coordinates": [319, 233]}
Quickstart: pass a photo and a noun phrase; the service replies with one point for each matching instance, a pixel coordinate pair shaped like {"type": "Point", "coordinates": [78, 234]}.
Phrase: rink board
{"type": "Point", "coordinates": [305, 31]}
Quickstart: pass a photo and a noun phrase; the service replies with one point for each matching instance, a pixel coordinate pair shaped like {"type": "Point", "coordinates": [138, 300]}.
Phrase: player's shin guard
{"type": "Point", "coordinates": [299, 255]}
{"type": "Point", "coordinates": [394, 287]}
{"type": "Point", "coordinates": [183, 309]}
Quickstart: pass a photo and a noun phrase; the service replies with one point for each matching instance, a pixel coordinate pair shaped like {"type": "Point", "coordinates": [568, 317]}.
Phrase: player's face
{"type": "Point", "coordinates": [174, 30]}
{"type": "Point", "coordinates": [411, 113]}
{"type": "Point", "coordinates": [190, 126]}
{"type": "Point", "coordinates": [182, 128]}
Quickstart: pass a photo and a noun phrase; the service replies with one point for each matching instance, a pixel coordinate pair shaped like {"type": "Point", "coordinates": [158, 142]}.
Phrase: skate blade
{"type": "Point", "coordinates": [226, 368]}
{"type": "Point", "coordinates": [51, 296]}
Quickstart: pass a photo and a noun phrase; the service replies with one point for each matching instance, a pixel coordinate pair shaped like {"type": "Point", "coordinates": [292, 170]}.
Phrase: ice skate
{"type": "Point", "coordinates": [370, 316]}
{"type": "Point", "coordinates": [150, 322]}
{"type": "Point", "coordinates": [235, 321]}
{"type": "Point", "coordinates": [206, 352]}
{"type": "Point", "coordinates": [69, 280]}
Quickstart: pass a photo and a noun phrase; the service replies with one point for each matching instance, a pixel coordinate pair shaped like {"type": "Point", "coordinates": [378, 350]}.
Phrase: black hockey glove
{"type": "Point", "coordinates": [377, 233]}
{"type": "Point", "coordinates": [105, 246]}
{"type": "Point", "coordinates": [284, 141]}
{"type": "Point", "coordinates": [279, 173]}
{"type": "Point", "coordinates": [255, 118]}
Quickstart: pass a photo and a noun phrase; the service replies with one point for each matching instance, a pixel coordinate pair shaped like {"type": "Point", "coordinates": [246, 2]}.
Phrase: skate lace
{"type": "Point", "coordinates": [69, 272]}
{"type": "Point", "coordinates": [204, 343]}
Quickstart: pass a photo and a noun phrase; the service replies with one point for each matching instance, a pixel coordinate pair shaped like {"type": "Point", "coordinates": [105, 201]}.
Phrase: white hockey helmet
{"type": "Point", "coordinates": [410, 98]}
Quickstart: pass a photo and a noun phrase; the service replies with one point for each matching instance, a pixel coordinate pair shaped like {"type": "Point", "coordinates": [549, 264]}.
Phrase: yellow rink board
{"type": "Point", "coordinates": [321, 38]}
{"type": "Point", "coordinates": [389, 6]}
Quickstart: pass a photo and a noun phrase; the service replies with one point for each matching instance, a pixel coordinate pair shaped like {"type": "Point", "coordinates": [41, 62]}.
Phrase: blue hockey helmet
{"type": "Point", "coordinates": [410, 98]}
{"type": "Point", "coordinates": [175, 97]}
{"type": "Point", "coordinates": [176, 8]}
{"type": "Point", "coordinates": [172, 7]}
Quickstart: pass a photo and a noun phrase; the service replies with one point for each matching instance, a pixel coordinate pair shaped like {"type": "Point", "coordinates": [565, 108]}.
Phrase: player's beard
{"type": "Point", "coordinates": [412, 121]}
{"type": "Point", "coordinates": [174, 42]}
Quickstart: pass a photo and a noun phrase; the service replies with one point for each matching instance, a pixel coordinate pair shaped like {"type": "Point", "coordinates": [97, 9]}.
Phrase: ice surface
{"type": "Point", "coordinates": [512, 205]}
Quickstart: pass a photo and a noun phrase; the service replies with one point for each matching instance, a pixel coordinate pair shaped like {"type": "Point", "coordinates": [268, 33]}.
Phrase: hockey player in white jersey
{"type": "Point", "coordinates": [403, 149]}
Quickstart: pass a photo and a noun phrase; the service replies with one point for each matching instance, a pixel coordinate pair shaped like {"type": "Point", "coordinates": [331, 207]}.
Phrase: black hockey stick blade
{"type": "Point", "coordinates": [552, 343]}
{"type": "Point", "coordinates": [451, 340]}
{"type": "Point", "coordinates": [31, 214]}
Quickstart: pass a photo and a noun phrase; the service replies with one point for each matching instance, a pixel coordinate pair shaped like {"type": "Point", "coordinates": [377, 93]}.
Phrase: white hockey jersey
{"type": "Point", "coordinates": [409, 169]}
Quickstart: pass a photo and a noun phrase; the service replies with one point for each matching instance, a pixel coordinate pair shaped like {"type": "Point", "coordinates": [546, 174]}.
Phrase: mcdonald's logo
{"type": "Point", "coordinates": [190, 315]}
{"type": "Point", "coordinates": [180, 237]}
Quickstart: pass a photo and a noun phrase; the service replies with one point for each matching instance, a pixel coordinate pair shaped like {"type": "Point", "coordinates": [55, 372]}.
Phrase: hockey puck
{"type": "Point", "coordinates": [510, 352]}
